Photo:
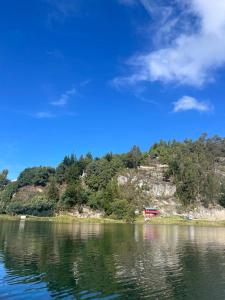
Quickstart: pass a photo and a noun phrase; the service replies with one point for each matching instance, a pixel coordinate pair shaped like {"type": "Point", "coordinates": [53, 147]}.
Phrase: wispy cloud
{"type": "Point", "coordinates": [61, 9]}
{"type": "Point", "coordinates": [64, 98]}
{"type": "Point", "coordinates": [194, 50]}
{"type": "Point", "coordinates": [190, 103]}
{"type": "Point", "coordinates": [44, 115]}
{"type": "Point", "coordinates": [85, 82]}
{"type": "Point", "coordinates": [50, 115]}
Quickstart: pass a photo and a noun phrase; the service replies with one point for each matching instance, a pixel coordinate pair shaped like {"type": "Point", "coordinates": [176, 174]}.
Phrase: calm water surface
{"type": "Point", "coordinates": [113, 261]}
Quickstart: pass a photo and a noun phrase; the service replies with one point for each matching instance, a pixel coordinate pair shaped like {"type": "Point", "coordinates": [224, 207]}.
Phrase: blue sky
{"type": "Point", "coordinates": [96, 75]}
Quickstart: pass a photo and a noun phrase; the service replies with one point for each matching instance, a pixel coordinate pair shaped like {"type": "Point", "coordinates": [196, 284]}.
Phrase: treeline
{"type": "Point", "coordinates": [74, 182]}
{"type": "Point", "coordinates": [195, 167]}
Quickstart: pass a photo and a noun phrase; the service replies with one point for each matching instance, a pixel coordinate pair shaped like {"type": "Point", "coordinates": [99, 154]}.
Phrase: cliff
{"type": "Point", "coordinates": [149, 185]}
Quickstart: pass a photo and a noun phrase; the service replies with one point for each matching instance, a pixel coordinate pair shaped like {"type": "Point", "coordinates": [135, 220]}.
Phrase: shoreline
{"type": "Point", "coordinates": [172, 220]}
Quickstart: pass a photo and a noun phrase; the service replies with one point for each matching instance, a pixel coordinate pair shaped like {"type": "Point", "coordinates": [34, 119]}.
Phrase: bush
{"type": "Point", "coordinates": [74, 194]}
{"type": "Point", "coordinates": [8, 192]}
{"type": "Point", "coordinates": [123, 210]}
{"type": "Point", "coordinates": [53, 192]}
{"type": "Point", "coordinates": [38, 207]}
{"type": "Point", "coordinates": [222, 195]}
{"type": "Point", "coordinates": [96, 200]}
{"type": "Point", "coordinates": [35, 176]}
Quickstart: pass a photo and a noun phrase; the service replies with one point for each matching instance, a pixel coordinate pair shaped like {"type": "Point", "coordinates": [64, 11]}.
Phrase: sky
{"type": "Point", "coordinates": [97, 76]}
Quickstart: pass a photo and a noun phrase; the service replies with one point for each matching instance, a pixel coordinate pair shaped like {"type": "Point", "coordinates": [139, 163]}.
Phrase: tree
{"type": "Point", "coordinates": [53, 191]}
{"type": "Point", "coordinates": [35, 176]}
{"type": "Point", "coordinates": [3, 179]}
{"type": "Point", "coordinates": [73, 195]}
{"type": "Point", "coordinates": [123, 210]}
{"type": "Point", "coordinates": [70, 169]}
{"type": "Point", "coordinates": [133, 158]}
{"type": "Point", "coordinates": [7, 194]}
{"type": "Point", "coordinates": [100, 172]}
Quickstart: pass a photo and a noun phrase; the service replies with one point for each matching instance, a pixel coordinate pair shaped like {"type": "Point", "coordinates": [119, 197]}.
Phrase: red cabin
{"type": "Point", "coordinates": [150, 212]}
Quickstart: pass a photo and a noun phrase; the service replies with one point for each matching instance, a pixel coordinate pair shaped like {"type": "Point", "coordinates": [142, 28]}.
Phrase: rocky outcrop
{"type": "Point", "coordinates": [151, 186]}
{"type": "Point", "coordinates": [84, 212]}
{"type": "Point", "coordinates": [216, 213]}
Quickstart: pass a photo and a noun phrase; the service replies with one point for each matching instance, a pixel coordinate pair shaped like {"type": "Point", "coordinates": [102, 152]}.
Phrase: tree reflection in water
{"type": "Point", "coordinates": [111, 261]}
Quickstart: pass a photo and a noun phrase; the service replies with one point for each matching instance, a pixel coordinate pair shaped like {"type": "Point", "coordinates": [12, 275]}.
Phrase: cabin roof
{"type": "Point", "coordinates": [151, 208]}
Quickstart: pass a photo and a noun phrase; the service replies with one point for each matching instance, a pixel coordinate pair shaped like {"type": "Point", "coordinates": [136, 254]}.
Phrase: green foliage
{"type": "Point", "coordinates": [133, 158]}
{"type": "Point", "coordinates": [192, 166]}
{"type": "Point", "coordinates": [53, 191]}
{"type": "Point", "coordinates": [109, 194]}
{"type": "Point", "coordinates": [37, 207]}
{"type": "Point", "coordinates": [35, 176]}
{"type": "Point", "coordinates": [3, 179]}
{"type": "Point", "coordinates": [70, 169]}
{"type": "Point", "coordinates": [161, 150]}
{"type": "Point", "coordinates": [7, 194]}
{"type": "Point", "coordinates": [100, 172]}
{"type": "Point", "coordinates": [96, 200]}
{"type": "Point", "coordinates": [222, 195]}
{"type": "Point", "coordinates": [123, 210]}
{"type": "Point", "coordinates": [73, 195]}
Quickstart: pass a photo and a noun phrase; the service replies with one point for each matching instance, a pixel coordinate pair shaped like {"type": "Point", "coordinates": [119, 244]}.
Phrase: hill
{"type": "Point", "coordinates": [176, 177]}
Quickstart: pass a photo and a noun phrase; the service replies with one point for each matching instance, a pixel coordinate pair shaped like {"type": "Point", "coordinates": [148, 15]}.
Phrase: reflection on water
{"type": "Point", "coordinates": [112, 261]}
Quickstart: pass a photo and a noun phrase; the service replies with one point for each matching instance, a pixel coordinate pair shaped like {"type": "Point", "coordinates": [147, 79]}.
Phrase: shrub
{"type": "Point", "coordinates": [35, 176]}
{"type": "Point", "coordinates": [37, 207]}
{"type": "Point", "coordinates": [8, 192]}
{"type": "Point", "coordinates": [53, 192]}
{"type": "Point", "coordinates": [96, 200]}
{"type": "Point", "coordinates": [74, 194]}
{"type": "Point", "coordinates": [122, 210]}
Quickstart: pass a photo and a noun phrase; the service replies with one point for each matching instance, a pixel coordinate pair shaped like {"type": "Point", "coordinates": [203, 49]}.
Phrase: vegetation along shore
{"type": "Point", "coordinates": [181, 179]}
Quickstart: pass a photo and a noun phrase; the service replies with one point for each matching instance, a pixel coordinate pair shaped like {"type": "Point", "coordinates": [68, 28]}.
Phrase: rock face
{"type": "Point", "coordinates": [216, 213]}
{"type": "Point", "coordinates": [150, 185]}
{"type": "Point", "coordinates": [86, 212]}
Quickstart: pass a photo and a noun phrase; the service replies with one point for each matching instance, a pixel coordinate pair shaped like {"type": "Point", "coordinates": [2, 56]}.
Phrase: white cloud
{"type": "Point", "coordinates": [189, 103]}
{"type": "Point", "coordinates": [43, 115]}
{"type": "Point", "coordinates": [64, 98]}
{"type": "Point", "coordinates": [195, 50]}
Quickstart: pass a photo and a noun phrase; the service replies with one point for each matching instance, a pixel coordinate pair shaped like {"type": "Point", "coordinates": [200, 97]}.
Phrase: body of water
{"type": "Point", "coordinates": [111, 261]}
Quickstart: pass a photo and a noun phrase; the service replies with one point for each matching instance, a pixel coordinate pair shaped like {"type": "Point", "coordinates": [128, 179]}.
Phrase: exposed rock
{"type": "Point", "coordinates": [85, 212]}
{"type": "Point", "coordinates": [149, 183]}
{"type": "Point", "coordinates": [213, 214]}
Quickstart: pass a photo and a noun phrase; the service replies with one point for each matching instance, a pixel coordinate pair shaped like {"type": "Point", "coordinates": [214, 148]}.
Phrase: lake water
{"type": "Point", "coordinates": [113, 261]}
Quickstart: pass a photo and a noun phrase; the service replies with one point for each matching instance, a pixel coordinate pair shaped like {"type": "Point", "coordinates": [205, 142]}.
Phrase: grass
{"type": "Point", "coordinates": [172, 220]}
{"type": "Point", "coordinates": [176, 220]}
{"type": "Point", "coordinates": [63, 219]}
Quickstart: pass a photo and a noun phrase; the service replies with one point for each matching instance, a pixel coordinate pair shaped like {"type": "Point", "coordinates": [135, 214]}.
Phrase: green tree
{"type": "Point", "coordinates": [122, 209]}
{"type": "Point", "coordinates": [73, 195]}
{"type": "Point", "coordinates": [53, 191]}
{"type": "Point", "coordinates": [35, 176]}
{"type": "Point", "coordinates": [133, 158]}
{"type": "Point", "coordinates": [100, 172]}
{"type": "Point", "coordinates": [3, 179]}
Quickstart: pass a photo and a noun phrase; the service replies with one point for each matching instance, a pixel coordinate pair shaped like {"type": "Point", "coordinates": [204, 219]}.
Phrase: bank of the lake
{"type": "Point", "coordinates": [170, 220]}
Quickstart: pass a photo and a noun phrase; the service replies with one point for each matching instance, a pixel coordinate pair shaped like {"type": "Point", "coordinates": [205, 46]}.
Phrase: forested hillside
{"type": "Point", "coordinates": [195, 168]}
